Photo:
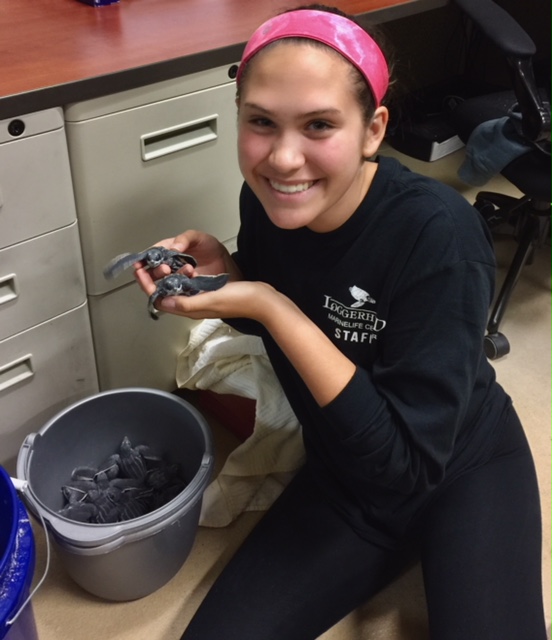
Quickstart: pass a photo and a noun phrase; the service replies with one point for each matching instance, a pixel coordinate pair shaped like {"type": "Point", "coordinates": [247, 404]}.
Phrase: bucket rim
{"type": "Point", "coordinates": [120, 391]}
{"type": "Point", "coordinates": [101, 538]}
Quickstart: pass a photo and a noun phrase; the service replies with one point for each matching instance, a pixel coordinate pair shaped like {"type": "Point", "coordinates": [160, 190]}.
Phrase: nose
{"type": "Point", "coordinates": [287, 154]}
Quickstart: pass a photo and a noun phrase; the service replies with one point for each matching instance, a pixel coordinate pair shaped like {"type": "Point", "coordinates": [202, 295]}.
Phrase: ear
{"type": "Point", "coordinates": [375, 132]}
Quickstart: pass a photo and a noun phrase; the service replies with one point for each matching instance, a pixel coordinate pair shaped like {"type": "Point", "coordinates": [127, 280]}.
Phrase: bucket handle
{"type": "Point", "coordinates": [21, 485]}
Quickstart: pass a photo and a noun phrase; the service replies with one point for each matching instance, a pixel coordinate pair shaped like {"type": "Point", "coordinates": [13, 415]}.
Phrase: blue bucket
{"type": "Point", "coordinates": [17, 562]}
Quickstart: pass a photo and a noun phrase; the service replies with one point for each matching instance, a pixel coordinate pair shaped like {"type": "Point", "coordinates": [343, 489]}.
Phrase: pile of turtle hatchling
{"type": "Point", "coordinates": [129, 484]}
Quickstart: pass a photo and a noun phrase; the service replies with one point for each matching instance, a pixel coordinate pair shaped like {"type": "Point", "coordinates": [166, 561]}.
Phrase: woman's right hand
{"type": "Point", "coordinates": [211, 255]}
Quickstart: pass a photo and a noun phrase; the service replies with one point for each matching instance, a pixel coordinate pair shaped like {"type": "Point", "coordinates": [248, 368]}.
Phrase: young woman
{"type": "Point", "coordinates": [370, 286]}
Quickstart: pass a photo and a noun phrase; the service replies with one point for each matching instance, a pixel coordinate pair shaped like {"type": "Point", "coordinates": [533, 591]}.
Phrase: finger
{"type": "Point", "coordinates": [188, 270]}
{"type": "Point", "coordinates": [144, 279]}
{"type": "Point", "coordinates": [155, 274]}
{"type": "Point", "coordinates": [180, 243]}
{"type": "Point", "coordinates": [183, 241]}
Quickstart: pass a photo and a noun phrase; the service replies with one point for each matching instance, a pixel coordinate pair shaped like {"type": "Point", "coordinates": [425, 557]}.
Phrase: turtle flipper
{"type": "Point", "coordinates": [153, 257]}
{"type": "Point", "coordinates": [178, 260]}
{"type": "Point", "coordinates": [210, 283]}
{"type": "Point", "coordinates": [121, 262]}
{"type": "Point", "coordinates": [154, 313]}
{"type": "Point", "coordinates": [179, 284]}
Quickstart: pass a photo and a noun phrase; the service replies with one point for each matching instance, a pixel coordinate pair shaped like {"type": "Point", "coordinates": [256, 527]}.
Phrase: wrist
{"type": "Point", "coordinates": [273, 309]}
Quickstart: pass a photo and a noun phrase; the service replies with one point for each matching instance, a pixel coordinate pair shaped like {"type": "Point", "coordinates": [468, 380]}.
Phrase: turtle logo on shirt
{"type": "Point", "coordinates": [362, 297]}
{"type": "Point", "coordinates": [353, 323]}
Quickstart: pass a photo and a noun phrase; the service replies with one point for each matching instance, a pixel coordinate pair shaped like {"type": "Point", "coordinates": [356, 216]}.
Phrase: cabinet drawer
{"type": "Point", "coordinates": [40, 279]}
{"type": "Point", "coordinates": [150, 172]}
{"type": "Point", "coordinates": [36, 193]}
{"type": "Point", "coordinates": [43, 370]}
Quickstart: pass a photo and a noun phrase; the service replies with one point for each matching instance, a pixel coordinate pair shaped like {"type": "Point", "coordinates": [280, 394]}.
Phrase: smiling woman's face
{"type": "Point", "coordinates": [302, 138]}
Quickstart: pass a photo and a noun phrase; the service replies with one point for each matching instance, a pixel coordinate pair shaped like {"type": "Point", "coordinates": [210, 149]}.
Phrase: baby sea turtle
{"type": "Point", "coordinates": [178, 284]}
{"type": "Point", "coordinates": [127, 485]}
{"type": "Point", "coordinates": [130, 461]}
{"type": "Point", "coordinates": [152, 257]}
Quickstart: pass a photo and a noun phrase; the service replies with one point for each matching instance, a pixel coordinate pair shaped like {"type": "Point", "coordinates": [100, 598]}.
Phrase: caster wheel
{"type": "Point", "coordinates": [492, 216]}
{"type": "Point", "coordinates": [485, 207]}
{"type": "Point", "coordinates": [496, 346]}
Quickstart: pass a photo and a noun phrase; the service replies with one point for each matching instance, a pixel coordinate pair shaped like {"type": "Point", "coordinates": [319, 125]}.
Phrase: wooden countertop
{"type": "Point", "coordinates": [54, 52]}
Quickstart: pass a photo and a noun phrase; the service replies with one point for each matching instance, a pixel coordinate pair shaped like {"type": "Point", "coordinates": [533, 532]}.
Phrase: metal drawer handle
{"type": "Point", "coordinates": [8, 288]}
{"type": "Point", "coordinates": [166, 141]}
{"type": "Point", "coordinates": [15, 372]}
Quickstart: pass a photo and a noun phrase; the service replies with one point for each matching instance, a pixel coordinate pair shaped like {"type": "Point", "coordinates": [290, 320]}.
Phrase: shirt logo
{"type": "Point", "coordinates": [362, 297]}
{"type": "Point", "coordinates": [351, 323]}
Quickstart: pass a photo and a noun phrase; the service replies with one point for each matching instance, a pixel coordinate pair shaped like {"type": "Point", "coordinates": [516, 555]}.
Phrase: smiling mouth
{"type": "Point", "coordinates": [291, 188]}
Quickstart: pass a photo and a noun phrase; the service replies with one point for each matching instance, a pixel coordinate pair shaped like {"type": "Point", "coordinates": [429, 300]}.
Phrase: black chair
{"type": "Point", "coordinates": [530, 172]}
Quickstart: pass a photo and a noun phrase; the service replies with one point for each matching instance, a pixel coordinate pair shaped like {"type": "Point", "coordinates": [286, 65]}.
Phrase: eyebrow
{"type": "Point", "coordinates": [311, 114]}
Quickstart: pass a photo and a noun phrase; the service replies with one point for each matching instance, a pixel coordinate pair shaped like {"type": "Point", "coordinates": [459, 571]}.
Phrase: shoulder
{"type": "Point", "coordinates": [435, 214]}
{"type": "Point", "coordinates": [411, 190]}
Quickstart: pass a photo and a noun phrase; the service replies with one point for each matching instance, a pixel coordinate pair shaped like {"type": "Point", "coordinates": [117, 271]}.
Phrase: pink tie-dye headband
{"type": "Point", "coordinates": [337, 32]}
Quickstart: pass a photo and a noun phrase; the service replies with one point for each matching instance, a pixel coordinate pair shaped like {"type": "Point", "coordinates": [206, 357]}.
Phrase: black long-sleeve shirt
{"type": "Point", "coordinates": [403, 289]}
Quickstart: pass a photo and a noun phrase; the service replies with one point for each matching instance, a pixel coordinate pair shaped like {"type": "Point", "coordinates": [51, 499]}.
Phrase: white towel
{"type": "Point", "coordinates": [221, 359]}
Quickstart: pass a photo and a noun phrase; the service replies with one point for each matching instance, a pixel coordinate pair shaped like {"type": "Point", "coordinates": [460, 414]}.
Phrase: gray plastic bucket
{"type": "Point", "coordinates": [130, 559]}
{"type": "Point", "coordinates": [17, 563]}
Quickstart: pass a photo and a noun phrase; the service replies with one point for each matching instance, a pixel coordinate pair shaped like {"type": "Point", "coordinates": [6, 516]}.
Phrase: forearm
{"type": "Point", "coordinates": [323, 367]}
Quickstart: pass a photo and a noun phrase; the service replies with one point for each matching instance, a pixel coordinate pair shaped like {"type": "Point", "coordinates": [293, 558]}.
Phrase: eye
{"type": "Point", "coordinates": [261, 122]}
{"type": "Point", "coordinates": [319, 126]}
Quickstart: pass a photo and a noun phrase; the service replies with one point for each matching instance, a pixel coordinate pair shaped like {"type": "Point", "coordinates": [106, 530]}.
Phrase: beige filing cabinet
{"type": "Point", "coordinates": [46, 352]}
{"type": "Point", "coordinates": [148, 164]}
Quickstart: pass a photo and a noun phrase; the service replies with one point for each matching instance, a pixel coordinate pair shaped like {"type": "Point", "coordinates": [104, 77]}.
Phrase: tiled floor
{"type": "Point", "coordinates": [65, 612]}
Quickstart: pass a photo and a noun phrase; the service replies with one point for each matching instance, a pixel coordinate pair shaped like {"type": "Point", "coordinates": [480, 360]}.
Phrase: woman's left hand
{"type": "Point", "coordinates": [239, 299]}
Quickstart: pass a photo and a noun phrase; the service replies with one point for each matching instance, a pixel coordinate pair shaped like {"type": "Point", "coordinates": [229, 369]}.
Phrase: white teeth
{"type": "Point", "coordinates": [290, 188]}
